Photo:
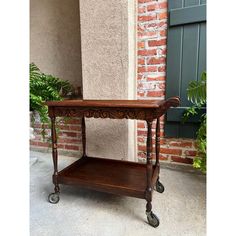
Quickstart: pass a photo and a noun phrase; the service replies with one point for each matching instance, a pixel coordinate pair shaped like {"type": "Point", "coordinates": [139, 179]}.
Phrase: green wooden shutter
{"type": "Point", "coordinates": [186, 60]}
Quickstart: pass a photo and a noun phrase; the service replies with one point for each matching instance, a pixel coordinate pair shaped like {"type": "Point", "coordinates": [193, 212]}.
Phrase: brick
{"type": "Point", "coordinates": [60, 146]}
{"type": "Point", "coordinates": [140, 28]}
{"type": "Point", "coordinates": [144, 35]}
{"type": "Point", "coordinates": [141, 155]}
{"type": "Point", "coordinates": [75, 127]}
{"type": "Point", "coordinates": [162, 141]}
{"type": "Point", "coordinates": [162, 68]}
{"type": "Point", "coordinates": [162, 5]}
{"type": "Point", "coordinates": [144, 1]}
{"type": "Point", "coordinates": [162, 24]}
{"type": "Point", "coordinates": [72, 147]}
{"type": "Point", "coordinates": [37, 138]}
{"type": "Point", "coordinates": [162, 15]}
{"type": "Point", "coordinates": [43, 144]}
{"type": "Point", "coordinates": [143, 69]}
{"type": "Point", "coordinates": [155, 43]}
{"type": "Point", "coordinates": [69, 134]}
{"type": "Point", "coordinates": [161, 86]}
{"type": "Point", "coordinates": [73, 121]}
{"type": "Point", "coordinates": [163, 158]}
{"type": "Point", "coordinates": [171, 151]}
{"type": "Point", "coordinates": [142, 148]}
{"type": "Point", "coordinates": [160, 78]}
{"type": "Point", "coordinates": [163, 33]}
{"type": "Point", "coordinates": [181, 160]}
{"type": "Point", "coordinates": [152, 7]}
{"type": "Point", "coordinates": [141, 44]}
{"type": "Point", "coordinates": [154, 61]}
{"type": "Point", "coordinates": [147, 18]}
{"type": "Point", "coordinates": [68, 140]}
{"type": "Point", "coordinates": [151, 68]}
{"type": "Point", "coordinates": [141, 125]}
{"type": "Point", "coordinates": [140, 77]}
{"type": "Point", "coordinates": [141, 61]}
{"type": "Point", "coordinates": [141, 139]}
{"type": "Point", "coordinates": [162, 134]}
{"type": "Point", "coordinates": [155, 93]}
{"type": "Point", "coordinates": [152, 25]}
{"type": "Point", "coordinates": [163, 51]}
{"type": "Point", "coordinates": [190, 153]}
{"type": "Point", "coordinates": [142, 133]}
{"type": "Point", "coordinates": [151, 52]}
{"type": "Point", "coordinates": [140, 94]}
{"type": "Point", "coordinates": [181, 144]}
{"type": "Point", "coordinates": [33, 142]}
{"type": "Point", "coordinates": [63, 127]}
{"type": "Point", "coordinates": [142, 9]}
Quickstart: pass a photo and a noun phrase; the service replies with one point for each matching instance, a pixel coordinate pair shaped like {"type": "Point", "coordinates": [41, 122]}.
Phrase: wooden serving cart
{"type": "Point", "coordinates": [107, 175]}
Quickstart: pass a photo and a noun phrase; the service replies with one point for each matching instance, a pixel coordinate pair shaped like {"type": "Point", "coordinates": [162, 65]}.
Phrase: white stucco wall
{"type": "Point", "coordinates": [55, 38]}
{"type": "Point", "coordinates": [105, 56]}
{"type": "Point", "coordinates": [105, 62]}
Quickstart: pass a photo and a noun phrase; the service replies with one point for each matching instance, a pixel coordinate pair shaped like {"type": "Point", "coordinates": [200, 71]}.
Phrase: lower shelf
{"type": "Point", "coordinates": [112, 176]}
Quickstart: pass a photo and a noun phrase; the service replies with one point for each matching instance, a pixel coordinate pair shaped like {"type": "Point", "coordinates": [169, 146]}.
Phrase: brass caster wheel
{"type": "Point", "coordinates": [159, 187]}
{"type": "Point", "coordinates": [152, 219]}
{"type": "Point", "coordinates": [53, 198]}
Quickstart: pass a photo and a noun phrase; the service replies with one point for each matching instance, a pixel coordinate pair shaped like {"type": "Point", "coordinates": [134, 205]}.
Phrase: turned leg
{"type": "Point", "coordinates": [54, 197]}
{"type": "Point", "coordinates": [149, 168]}
{"type": "Point", "coordinates": [159, 186]}
{"type": "Point", "coordinates": [152, 218]}
{"type": "Point", "coordinates": [84, 137]}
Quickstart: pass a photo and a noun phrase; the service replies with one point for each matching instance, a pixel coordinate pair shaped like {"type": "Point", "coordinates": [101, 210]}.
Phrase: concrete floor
{"type": "Point", "coordinates": [181, 208]}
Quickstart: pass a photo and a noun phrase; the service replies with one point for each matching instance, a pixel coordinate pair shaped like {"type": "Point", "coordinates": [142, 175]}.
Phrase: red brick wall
{"type": "Point", "coordinates": [152, 25]}
{"type": "Point", "coordinates": [151, 76]}
{"type": "Point", "coordinates": [69, 137]}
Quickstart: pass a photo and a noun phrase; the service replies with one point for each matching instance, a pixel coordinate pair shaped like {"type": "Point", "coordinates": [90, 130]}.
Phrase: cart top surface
{"type": "Point", "coordinates": [173, 101]}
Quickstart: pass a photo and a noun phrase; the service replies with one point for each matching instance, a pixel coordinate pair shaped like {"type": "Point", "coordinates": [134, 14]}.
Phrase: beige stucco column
{"type": "Point", "coordinates": [55, 38]}
{"type": "Point", "coordinates": [108, 58]}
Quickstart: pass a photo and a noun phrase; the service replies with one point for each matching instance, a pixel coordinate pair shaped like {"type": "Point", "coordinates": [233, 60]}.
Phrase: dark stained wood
{"type": "Point", "coordinates": [149, 169]}
{"type": "Point", "coordinates": [157, 144]}
{"type": "Point", "coordinates": [54, 155]}
{"type": "Point", "coordinates": [117, 109]}
{"type": "Point", "coordinates": [84, 136]}
{"type": "Point", "coordinates": [156, 167]}
{"type": "Point", "coordinates": [107, 175]}
{"type": "Point", "coordinates": [155, 176]}
{"type": "Point", "coordinates": [112, 176]}
{"type": "Point", "coordinates": [114, 103]}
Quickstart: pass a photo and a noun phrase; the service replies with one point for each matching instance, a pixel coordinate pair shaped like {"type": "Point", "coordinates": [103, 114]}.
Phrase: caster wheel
{"type": "Point", "coordinates": [160, 187]}
{"type": "Point", "coordinates": [53, 198]}
{"type": "Point", "coordinates": [152, 219]}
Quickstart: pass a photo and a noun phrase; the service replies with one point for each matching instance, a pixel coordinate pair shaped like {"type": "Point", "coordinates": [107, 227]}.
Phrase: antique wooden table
{"type": "Point", "coordinates": [107, 175]}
